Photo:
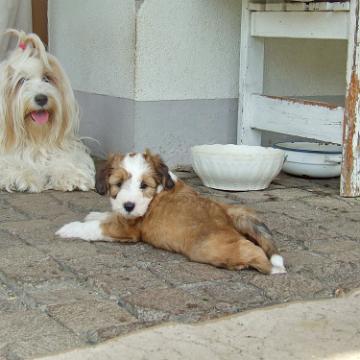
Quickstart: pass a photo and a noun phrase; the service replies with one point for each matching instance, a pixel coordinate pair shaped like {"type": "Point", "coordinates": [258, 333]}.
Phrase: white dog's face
{"type": "Point", "coordinates": [132, 181]}
{"type": "Point", "coordinates": [35, 92]}
{"type": "Point", "coordinates": [37, 104]}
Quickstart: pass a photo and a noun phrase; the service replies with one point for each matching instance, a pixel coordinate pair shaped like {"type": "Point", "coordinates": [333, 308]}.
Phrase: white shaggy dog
{"type": "Point", "coordinates": [39, 120]}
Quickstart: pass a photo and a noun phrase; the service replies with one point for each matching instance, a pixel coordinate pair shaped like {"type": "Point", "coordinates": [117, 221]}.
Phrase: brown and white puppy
{"type": "Point", "coordinates": [150, 204]}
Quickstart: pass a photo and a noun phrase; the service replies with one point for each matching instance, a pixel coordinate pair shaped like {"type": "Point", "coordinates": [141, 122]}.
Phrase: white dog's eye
{"type": "Point", "coordinates": [119, 184]}
{"type": "Point", "coordinates": [21, 81]}
{"type": "Point", "coordinates": [45, 79]}
{"type": "Point", "coordinates": [143, 185]}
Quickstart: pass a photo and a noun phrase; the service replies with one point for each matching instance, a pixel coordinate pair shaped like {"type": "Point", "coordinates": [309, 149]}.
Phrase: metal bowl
{"type": "Point", "coordinates": [310, 159]}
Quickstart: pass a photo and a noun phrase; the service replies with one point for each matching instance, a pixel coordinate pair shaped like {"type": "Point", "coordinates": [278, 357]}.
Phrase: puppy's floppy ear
{"type": "Point", "coordinates": [161, 170]}
{"type": "Point", "coordinates": [166, 180]}
{"type": "Point", "coordinates": [102, 176]}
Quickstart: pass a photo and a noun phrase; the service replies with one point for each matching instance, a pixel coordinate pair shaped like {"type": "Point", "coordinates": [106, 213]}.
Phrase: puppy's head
{"type": "Point", "coordinates": [37, 104]}
{"type": "Point", "coordinates": [132, 181]}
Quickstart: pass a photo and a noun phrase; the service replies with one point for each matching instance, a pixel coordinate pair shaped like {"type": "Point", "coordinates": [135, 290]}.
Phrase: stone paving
{"type": "Point", "coordinates": [326, 329]}
{"type": "Point", "coordinates": [60, 294]}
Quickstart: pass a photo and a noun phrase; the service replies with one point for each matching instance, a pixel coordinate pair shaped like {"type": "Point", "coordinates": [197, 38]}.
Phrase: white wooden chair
{"type": "Point", "coordinates": [310, 119]}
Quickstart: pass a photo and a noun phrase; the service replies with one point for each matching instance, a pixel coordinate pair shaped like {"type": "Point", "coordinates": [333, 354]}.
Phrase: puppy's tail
{"type": "Point", "coordinates": [30, 44]}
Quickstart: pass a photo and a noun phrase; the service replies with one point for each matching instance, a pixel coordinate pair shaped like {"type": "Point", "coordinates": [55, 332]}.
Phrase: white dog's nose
{"type": "Point", "coordinates": [41, 99]}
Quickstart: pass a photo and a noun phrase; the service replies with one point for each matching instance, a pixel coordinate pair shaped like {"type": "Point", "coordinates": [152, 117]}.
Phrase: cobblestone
{"type": "Point", "coordinates": [57, 294]}
{"type": "Point", "coordinates": [92, 319]}
{"type": "Point", "coordinates": [30, 333]}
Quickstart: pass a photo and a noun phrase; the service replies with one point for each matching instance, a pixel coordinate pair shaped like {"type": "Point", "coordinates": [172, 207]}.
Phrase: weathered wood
{"type": "Point", "coordinates": [329, 6]}
{"type": "Point", "coordinates": [350, 174]}
{"type": "Point", "coordinates": [300, 24]}
{"type": "Point", "coordinates": [298, 117]}
{"type": "Point", "coordinates": [250, 79]}
{"type": "Point", "coordinates": [297, 6]}
{"type": "Point", "coordinates": [300, 6]}
{"type": "Point", "coordinates": [256, 6]}
{"type": "Point", "coordinates": [309, 119]}
{"type": "Point", "coordinates": [39, 19]}
{"type": "Point", "coordinates": [275, 6]}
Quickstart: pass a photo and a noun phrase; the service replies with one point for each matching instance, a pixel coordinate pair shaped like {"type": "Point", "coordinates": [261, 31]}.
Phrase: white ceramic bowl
{"type": "Point", "coordinates": [318, 160]}
{"type": "Point", "coordinates": [236, 167]}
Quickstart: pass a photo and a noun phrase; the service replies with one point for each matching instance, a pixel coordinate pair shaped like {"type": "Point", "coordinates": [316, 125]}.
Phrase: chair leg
{"type": "Point", "coordinates": [250, 78]}
{"type": "Point", "coordinates": [350, 174]}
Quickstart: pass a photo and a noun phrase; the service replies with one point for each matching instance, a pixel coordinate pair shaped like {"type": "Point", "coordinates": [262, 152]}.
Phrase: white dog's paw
{"type": "Point", "coordinates": [76, 184]}
{"type": "Point", "coordinates": [83, 182]}
{"type": "Point", "coordinates": [278, 266]}
{"type": "Point", "coordinates": [96, 215]}
{"type": "Point", "coordinates": [72, 179]}
{"type": "Point", "coordinates": [27, 181]}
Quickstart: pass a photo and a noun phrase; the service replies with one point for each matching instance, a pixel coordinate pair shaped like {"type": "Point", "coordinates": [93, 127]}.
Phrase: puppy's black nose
{"type": "Point", "coordinates": [129, 206]}
{"type": "Point", "coordinates": [41, 99]}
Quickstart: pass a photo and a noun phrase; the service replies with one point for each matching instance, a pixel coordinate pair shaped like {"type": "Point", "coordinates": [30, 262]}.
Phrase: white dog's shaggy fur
{"type": "Point", "coordinates": [39, 120]}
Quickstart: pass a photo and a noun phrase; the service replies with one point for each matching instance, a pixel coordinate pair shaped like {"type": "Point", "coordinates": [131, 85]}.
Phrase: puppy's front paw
{"type": "Point", "coordinates": [88, 230]}
{"type": "Point", "coordinates": [71, 230]}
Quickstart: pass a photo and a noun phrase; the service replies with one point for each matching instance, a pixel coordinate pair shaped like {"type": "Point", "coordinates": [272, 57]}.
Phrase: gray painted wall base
{"type": "Point", "coordinates": [167, 127]}
{"type": "Point", "coordinates": [108, 120]}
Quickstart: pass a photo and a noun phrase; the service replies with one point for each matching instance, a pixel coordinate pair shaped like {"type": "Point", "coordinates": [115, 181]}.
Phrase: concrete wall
{"type": "Point", "coordinates": [164, 73]}
{"type": "Point", "coordinates": [187, 49]}
{"type": "Point", "coordinates": [186, 85]}
{"type": "Point", "coordinates": [95, 42]}
{"type": "Point", "coordinates": [172, 127]}
{"type": "Point", "coordinates": [15, 14]}
{"type": "Point", "coordinates": [304, 67]}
